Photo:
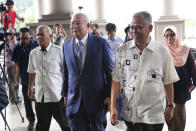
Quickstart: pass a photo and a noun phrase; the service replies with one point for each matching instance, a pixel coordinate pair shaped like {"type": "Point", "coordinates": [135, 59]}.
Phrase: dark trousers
{"type": "Point", "coordinates": [82, 121]}
{"type": "Point", "coordinates": [143, 126]}
{"type": "Point", "coordinates": [28, 104]}
{"type": "Point", "coordinates": [45, 112]}
{"type": "Point", "coordinates": [178, 122]}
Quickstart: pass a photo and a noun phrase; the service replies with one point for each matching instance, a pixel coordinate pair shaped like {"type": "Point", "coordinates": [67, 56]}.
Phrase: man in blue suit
{"type": "Point", "coordinates": [87, 77]}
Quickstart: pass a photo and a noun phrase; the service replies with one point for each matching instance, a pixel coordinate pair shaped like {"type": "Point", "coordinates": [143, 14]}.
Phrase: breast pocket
{"type": "Point", "coordinates": [154, 74]}
{"type": "Point", "coordinates": [52, 67]}
{"type": "Point", "coordinates": [131, 65]}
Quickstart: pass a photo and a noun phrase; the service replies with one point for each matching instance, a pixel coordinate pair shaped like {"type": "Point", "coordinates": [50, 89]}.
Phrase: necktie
{"type": "Point", "coordinates": [79, 54]}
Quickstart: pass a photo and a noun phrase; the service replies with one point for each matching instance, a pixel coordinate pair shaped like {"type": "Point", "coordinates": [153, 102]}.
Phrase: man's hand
{"type": "Point", "coordinates": [191, 88]}
{"type": "Point", "coordinates": [65, 100]}
{"type": "Point", "coordinates": [169, 113]}
{"type": "Point", "coordinates": [114, 116]}
{"type": "Point", "coordinates": [108, 102]}
{"type": "Point", "coordinates": [30, 94]}
{"type": "Point", "coordinates": [92, 27]}
{"type": "Point", "coordinates": [60, 26]}
{"type": "Point", "coordinates": [15, 84]}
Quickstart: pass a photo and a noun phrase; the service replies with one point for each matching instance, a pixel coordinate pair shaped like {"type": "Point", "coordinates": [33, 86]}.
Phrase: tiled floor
{"type": "Point", "coordinates": [15, 123]}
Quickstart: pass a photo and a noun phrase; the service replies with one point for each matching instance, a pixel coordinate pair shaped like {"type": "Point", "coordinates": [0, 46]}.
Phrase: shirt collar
{"type": "Point", "coordinates": [47, 48]}
{"type": "Point", "coordinates": [83, 40]}
{"type": "Point", "coordinates": [150, 45]}
{"type": "Point", "coordinates": [113, 39]}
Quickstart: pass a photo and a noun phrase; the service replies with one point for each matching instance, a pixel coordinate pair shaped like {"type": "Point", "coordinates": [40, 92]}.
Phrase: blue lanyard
{"type": "Point", "coordinates": [10, 17]}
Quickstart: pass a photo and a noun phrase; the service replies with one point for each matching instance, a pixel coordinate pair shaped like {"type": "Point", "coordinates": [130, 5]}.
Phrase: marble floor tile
{"type": "Point", "coordinates": [15, 123]}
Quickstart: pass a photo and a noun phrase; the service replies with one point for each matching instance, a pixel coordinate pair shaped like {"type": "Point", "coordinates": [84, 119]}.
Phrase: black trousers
{"type": "Point", "coordinates": [45, 112]}
{"type": "Point", "coordinates": [143, 126]}
{"type": "Point", "coordinates": [28, 104]}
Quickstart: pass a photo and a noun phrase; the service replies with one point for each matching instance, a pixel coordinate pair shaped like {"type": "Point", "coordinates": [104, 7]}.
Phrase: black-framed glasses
{"type": "Point", "coordinates": [137, 27]}
{"type": "Point", "coordinates": [77, 23]}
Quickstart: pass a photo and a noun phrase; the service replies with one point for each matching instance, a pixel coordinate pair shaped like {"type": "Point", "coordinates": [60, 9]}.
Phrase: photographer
{"type": "Point", "coordinates": [58, 34]}
{"type": "Point", "coordinates": [8, 17]}
{"type": "Point", "coordinates": [94, 27]}
{"type": "Point", "coordinates": [11, 42]}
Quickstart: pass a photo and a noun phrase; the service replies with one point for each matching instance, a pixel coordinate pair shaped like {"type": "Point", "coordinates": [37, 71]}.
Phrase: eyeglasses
{"type": "Point", "coordinates": [138, 27]}
{"type": "Point", "coordinates": [77, 23]}
{"type": "Point", "coordinates": [171, 35]}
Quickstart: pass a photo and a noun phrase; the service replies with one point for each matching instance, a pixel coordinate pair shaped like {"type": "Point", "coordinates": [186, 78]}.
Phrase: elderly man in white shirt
{"type": "Point", "coordinates": [143, 74]}
{"type": "Point", "coordinates": [45, 68]}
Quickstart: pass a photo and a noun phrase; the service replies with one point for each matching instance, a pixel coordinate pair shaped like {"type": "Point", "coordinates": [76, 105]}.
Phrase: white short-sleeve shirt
{"type": "Point", "coordinates": [142, 78]}
{"type": "Point", "coordinates": [47, 65]}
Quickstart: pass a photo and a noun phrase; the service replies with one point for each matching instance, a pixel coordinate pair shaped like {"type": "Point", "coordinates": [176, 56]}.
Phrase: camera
{"type": "Point", "coordinates": [2, 7]}
{"type": "Point", "coordinates": [17, 33]}
{"type": "Point", "coordinates": [3, 34]}
{"type": "Point", "coordinates": [56, 25]}
{"type": "Point", "coordinates": [91, 23]}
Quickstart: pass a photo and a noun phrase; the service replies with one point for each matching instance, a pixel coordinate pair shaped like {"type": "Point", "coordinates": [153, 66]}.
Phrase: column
{"type": "Point", "coordinates": [40, 8]}
{"type": "Point", "coordinates": [59, 6]}
{"type": "Point", "coordinates": [50, 12]}
{"type": "Point", "coordinates": [99, 8]}
{"type": "Point", "coordinates": [99, 15]}
{"type": "Point", "coordinates": [168, 7]}
{"type": "Point", "coordinates": [168, 18]}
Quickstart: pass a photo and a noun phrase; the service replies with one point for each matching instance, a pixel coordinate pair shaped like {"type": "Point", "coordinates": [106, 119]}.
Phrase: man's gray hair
{"type": "Point", "coordinates": [48, 29]}
{"type": "Point", "coordinates": [146, 14]}
{"type": "Point", "coordinates": [85, 17]}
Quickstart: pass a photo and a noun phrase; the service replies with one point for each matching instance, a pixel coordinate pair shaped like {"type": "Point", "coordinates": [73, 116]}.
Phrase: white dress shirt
{"type": "Point", "coordinates": [84, 47]}
{"type": "Point", "coordinates": [114, 44]}
{"type": "Point", "coordinates": [47, 65]}
{"type": "Point", "coordinates": [142, 78]}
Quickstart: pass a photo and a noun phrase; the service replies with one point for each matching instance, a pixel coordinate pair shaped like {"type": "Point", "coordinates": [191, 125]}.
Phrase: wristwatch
{"type": "Point", "coordinates": [171, 105]}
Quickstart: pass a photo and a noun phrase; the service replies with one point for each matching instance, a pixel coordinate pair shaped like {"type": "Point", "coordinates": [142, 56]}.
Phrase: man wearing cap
{"type": "Point", "coordinates": [8, 17]}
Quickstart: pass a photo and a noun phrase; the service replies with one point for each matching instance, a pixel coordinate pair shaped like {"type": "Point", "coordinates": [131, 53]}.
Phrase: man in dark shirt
{"type": "Point", "coordinates": [21, 58]}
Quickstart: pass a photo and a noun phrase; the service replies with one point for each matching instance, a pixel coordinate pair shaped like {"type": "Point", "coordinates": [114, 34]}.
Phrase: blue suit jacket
{"type": "Point", "coordinates": [93, 84]}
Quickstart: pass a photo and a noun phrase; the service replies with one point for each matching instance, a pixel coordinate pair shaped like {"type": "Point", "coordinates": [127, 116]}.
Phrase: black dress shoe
{"type": "Point", "coordinates": [31, 126]}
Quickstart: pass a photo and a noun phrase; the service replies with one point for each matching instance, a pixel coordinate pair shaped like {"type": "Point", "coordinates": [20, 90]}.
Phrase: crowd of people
{"type": "Point", "coordinates": [77, 81]}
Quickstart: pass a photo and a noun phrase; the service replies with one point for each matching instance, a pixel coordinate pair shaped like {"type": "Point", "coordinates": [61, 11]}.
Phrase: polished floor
{"type": "Point", "coordinates": [15, 123]}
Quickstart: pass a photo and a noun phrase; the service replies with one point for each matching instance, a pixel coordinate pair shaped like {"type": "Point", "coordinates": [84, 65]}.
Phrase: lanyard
{"type": "Point", "coordinates": [10, 17]}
